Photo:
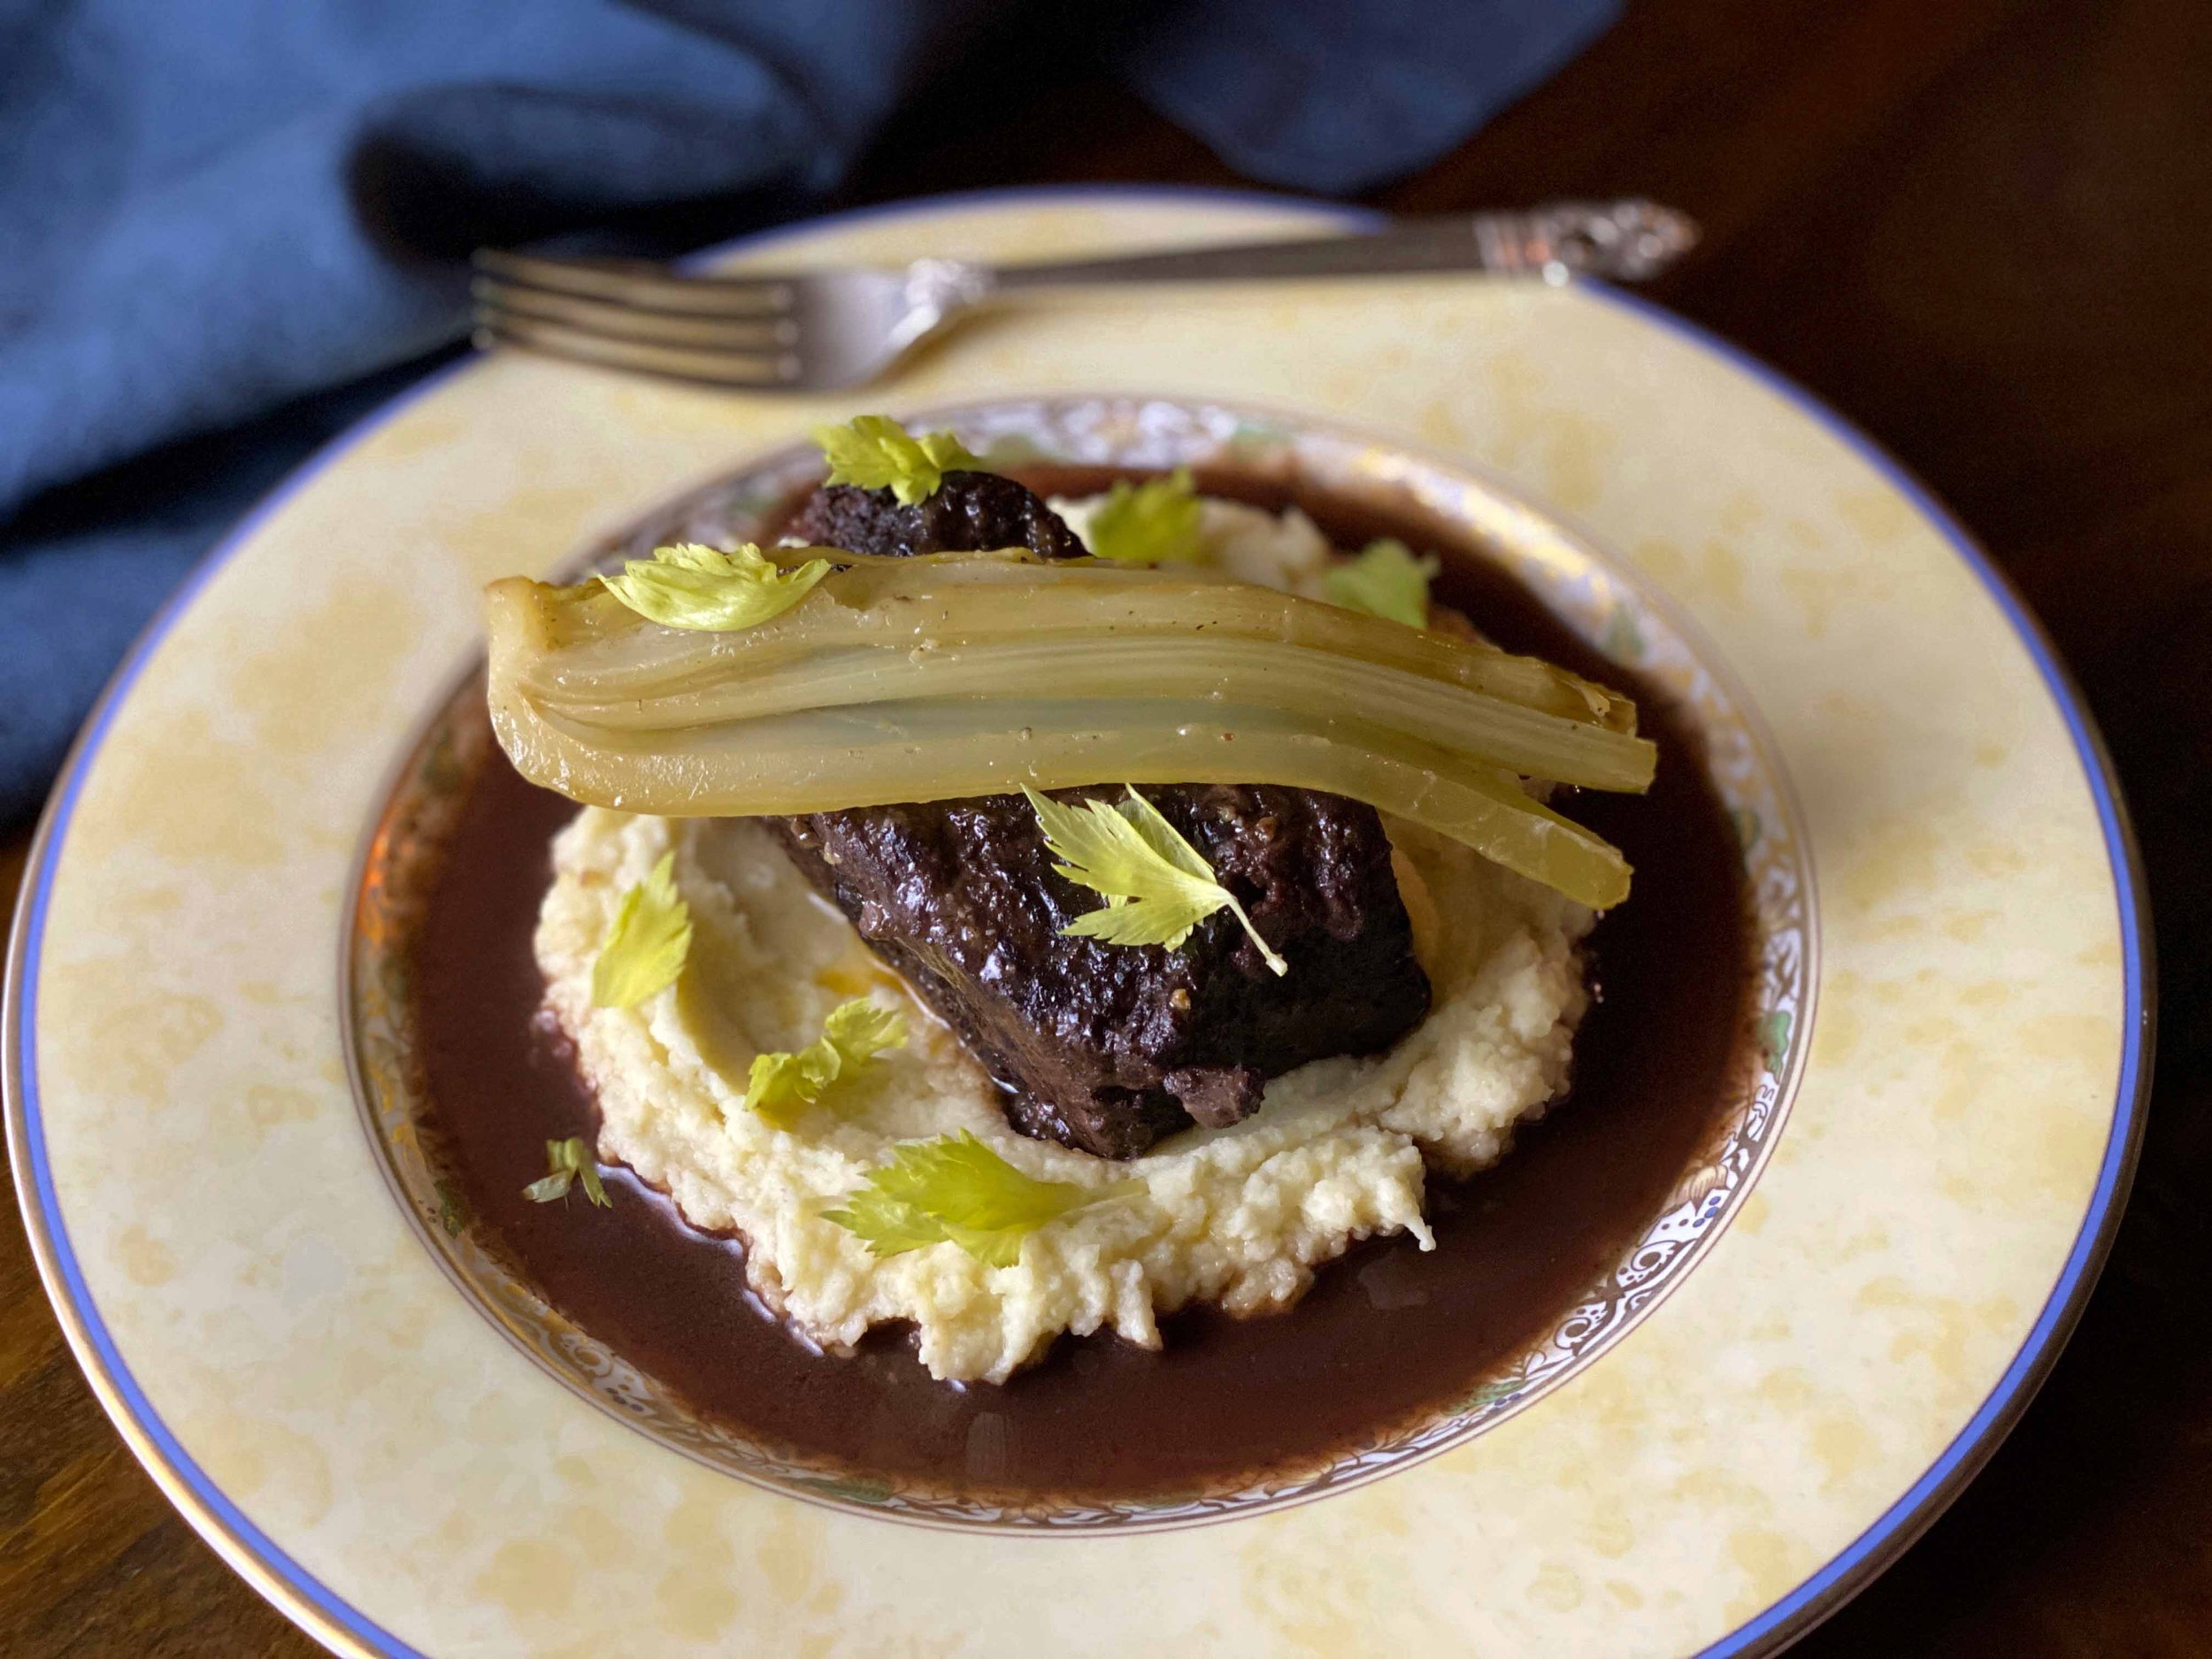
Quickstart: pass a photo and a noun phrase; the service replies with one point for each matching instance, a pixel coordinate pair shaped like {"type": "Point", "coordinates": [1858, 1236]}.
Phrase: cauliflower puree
{"type": "Point", "coordinates": [1239, 1216]}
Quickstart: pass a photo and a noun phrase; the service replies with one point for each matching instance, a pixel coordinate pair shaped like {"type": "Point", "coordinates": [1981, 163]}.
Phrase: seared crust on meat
{"type": "Point", "coordinates": [972, 513]}
{"type": "Point", "coordinates": [1108, 1048]}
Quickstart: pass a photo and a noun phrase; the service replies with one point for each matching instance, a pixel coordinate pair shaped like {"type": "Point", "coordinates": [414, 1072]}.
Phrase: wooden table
{"type": "Point", "coordinates": [1979, 228]}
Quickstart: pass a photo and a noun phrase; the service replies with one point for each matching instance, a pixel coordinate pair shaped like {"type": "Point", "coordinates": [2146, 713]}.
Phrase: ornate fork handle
{"type": "Point", "coordinates": [1626, 240]}
{"type": "Point", "coordinates": [1622, 242]}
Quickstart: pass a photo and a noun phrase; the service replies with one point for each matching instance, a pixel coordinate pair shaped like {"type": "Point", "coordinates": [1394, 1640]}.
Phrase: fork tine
{"type": "Point", "coordinates": [750, 371]}
{"type": "Point", "coordinates": [496, 299]}
{"type": "Point", "coordinates": [644, 287]}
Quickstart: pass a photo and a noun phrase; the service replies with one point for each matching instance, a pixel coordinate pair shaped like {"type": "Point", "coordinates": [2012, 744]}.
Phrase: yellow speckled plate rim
{"type": "Point", "coordinates": [1776, 1618]}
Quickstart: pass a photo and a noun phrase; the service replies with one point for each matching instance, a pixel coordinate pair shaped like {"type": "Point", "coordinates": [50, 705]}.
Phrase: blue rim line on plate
{"type": "Point", "coordinates": [1895, 1529]}
{"type": "Point", "coordinates": [237, 1539]}
{"type": "Point", "coordinates": [299, 1594]}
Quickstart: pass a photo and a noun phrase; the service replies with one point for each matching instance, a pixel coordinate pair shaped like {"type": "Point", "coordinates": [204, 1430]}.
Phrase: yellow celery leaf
{"type": "Point", "coordinates": [781, 1086]}
{"type": "Point", "coordinates": [707, 591]}
{"type": "Point", "coordinates": [1156, 887]}
{"type": "Point", "coordinates": [1152, 523]}
{"type": "Point", "coordinates": [1387, 580]}
{"type": "Point", "coordinates": [875, 452]}
{"type": "Point", "coordinates": [645, 948]}
{"type": "Point", "coordinates": [955, 1190]}
{"type": "Point", "coordinates": [567, 1161]}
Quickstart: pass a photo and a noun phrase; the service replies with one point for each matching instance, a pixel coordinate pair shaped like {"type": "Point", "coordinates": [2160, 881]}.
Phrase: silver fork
{"type": "Point", "coordinates": [827, 330]}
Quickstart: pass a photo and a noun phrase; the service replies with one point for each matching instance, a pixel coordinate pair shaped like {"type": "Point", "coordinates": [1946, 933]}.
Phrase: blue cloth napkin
{"type": "Point", "coordinates": [229, 227]}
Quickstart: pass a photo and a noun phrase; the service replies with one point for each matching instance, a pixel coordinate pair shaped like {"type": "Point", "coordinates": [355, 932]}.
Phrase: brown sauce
{"type": "Point", "coordinates": [1389, 1334]}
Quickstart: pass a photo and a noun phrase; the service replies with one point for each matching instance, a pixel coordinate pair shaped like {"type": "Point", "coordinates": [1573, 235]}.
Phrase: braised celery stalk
{"type": "Point", "coordinates": [587, 641]}
{"type": "Point", "coordinates": [1193, 669]}
{"type": "Point", "coordinates": [921, 679]}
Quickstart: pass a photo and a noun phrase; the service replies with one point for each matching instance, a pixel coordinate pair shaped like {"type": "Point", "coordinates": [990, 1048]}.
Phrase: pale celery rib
{"type": "Point", "coordinates": [943, 600]}
{"type": "Point", "coordinates": [1188, 669]}
{"type": "Point", "coordinates": [830, 706]}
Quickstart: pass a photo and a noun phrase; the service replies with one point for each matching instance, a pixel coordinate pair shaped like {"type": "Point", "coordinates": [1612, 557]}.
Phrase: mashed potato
{"type": "Point", "coordinates": [1239, 1216]}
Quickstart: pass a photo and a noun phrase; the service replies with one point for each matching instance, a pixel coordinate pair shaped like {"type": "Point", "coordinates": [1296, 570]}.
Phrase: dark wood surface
{"type": "Point", "coordinates": [1979, 228]}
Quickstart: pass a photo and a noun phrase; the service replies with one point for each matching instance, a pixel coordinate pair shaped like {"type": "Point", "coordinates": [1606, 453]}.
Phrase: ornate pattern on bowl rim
{"type": "Point", "coordinates": [1600, 599]}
